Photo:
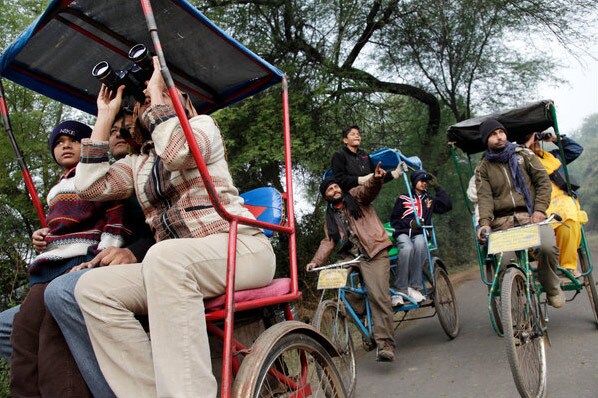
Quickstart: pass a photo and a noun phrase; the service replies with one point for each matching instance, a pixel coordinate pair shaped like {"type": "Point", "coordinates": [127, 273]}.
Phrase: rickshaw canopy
{"type": "Point", "coordinates": [55, 54]}
{"type": "Point", "coordinates": [519, 122]}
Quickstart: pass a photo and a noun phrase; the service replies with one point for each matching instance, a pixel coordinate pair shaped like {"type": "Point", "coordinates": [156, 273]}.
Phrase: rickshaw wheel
{"type": "Point", "coordinates": [495, 300]}
{"type": "Point", "coordinates": [296, 364]}
{"type": "Point", "coordinates": [523, 336]}
{"type": "Point", "coordinates": [445, 302]}
{"type": "Point", "coordinates": [589, 282]}
{"type": "Point", "coordinates": [331, 321]}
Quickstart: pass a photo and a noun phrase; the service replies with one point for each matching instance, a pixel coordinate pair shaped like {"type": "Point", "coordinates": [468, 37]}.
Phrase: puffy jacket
{"type": "Point", "coordinates": [497, 196]}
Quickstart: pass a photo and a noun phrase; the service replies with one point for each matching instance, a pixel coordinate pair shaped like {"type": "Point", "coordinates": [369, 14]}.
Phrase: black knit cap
{"type": "Point", "coordinates": [74, 129]}
{"type": "Point", "coordinates": [487, 127]}
{"type": "Point", "coordinates": [417, 176]}
{"type": "Point", "coordinates": [328, 181]}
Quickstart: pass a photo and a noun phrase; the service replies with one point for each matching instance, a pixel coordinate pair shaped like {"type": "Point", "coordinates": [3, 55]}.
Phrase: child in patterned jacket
{"type": "Point", "coordinates": [41, 363]}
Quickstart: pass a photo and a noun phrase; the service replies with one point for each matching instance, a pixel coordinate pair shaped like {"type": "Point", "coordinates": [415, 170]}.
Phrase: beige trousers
{"type": "Point", "coordinates": [170, 286]}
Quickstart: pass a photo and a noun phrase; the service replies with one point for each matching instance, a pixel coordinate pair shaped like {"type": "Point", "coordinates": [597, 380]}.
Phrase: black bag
{"type": "Point", "coordinates": [558, 178]}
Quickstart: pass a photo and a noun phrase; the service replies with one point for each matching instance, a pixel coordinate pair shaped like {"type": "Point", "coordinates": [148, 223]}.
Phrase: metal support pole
{"type": "Point", "coordinates": [20, 160]}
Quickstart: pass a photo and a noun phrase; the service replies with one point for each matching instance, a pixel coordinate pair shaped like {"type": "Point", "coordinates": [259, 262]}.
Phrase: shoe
{"type": "Point", "coordinates": [386, 353]}
{"type": "Point", "coordinates": [557, 300]}
{"type": "Point", "coordinates": [396, 300]}
{"type": "Point", "coordinates": [415, 295]}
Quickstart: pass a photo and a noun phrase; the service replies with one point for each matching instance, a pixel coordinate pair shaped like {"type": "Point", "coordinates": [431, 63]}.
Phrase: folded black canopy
{"type": "Point", "coordinates": [519, 122]}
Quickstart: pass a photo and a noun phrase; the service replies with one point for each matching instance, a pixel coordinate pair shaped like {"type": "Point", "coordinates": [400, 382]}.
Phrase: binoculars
{"type": "Point", "coordinates": [542, 136]}
{"type": "Point", "coordinates": [133, 76]}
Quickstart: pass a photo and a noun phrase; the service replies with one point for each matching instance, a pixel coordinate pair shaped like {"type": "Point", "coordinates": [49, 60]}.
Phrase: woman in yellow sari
{"type": "Point", "coordinates": [568, 233]}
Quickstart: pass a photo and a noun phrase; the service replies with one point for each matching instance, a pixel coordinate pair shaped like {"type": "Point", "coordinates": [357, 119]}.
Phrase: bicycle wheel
{"type": "Point", "coordinates": [295, 365]}
{"type": "Point", "coordinates": [495, 300]}
{"type": "Point", "coordinates": [445, 302]}
{"type": "Point", "coordinates": [331, 321]}
{"type": "Point", "coordinates": [589, 282]}
{"type": "Point", "coordinates": [525, 342]}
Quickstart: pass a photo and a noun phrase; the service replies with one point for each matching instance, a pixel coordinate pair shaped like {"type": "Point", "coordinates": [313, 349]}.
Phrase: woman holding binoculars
{"type": "Point", "coordinates": [186, 265]}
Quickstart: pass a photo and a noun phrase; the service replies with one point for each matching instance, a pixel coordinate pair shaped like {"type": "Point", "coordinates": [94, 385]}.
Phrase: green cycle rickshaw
{"type": "Point", "coordinates": [516, 306]}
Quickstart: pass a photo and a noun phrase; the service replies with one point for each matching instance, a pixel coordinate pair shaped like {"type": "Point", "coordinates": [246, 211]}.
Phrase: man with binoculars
{"type": "Point", "coordinates": [133, 76]}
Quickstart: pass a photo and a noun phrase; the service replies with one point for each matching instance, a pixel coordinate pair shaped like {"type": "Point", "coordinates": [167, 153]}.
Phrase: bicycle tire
{"type": "Point", "coordinates": [589, 282]}
{"type": "Point", "coordinates": [524, 340]}
{"type": "Point", "coordinates": [445, 302]}
{"type": "Point", "coordinates": [302, 361]}
{"type": "Point", "coordinates": [330, 320]}
{"type": "Point", "coordinates": [495, 300]}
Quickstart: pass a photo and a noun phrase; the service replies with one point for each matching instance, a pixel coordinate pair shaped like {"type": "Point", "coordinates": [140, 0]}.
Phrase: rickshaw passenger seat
{"type": "Point", "coordinates": [277, 287]}
{"type": "Point", "coordinates": [266, 204]}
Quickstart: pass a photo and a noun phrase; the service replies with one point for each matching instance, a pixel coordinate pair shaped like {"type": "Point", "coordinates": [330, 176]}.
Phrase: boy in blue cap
{"type": "Point", "coordinates": [409, 234]}
{"type": "Point", "coordinates": [41, 363]}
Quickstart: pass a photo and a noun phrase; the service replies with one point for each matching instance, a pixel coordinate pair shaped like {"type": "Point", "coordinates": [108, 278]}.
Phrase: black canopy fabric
{"type": "Point", "coordinates": [519, 122]}
{"type": "Point", "coordinates": [56, 54]}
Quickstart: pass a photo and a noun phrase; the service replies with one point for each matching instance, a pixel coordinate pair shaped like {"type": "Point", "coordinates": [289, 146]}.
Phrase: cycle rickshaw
{"type": "Point", "coordinates": [338, 319]}
{"type": "Point", "coordinates": [516, 306]}
{"type": "Point", "coordinates": [289, 358]}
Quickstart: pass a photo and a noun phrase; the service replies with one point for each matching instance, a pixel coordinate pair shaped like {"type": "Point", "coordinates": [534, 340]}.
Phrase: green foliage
{"type": "Point", "coordinates": [4, 379]}
{"type": "Point", "coordinates": [585, 169]}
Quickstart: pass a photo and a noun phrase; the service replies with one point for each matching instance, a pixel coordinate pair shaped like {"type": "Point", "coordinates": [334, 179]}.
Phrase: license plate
{"type": "Point", "coordinates": [333, 278]}
{"type": "Point", "coordinates": [514, 239]}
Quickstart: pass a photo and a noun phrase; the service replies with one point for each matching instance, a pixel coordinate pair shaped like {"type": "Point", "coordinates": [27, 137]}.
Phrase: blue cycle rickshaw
{"type": "Point", "coordinates": [337, 318]}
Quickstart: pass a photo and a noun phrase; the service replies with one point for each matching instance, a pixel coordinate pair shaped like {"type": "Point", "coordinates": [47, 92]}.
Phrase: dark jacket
{"type": "Point", "coordinates": [571, 150]}
{"type": "Point", "coordinates": [368, 228]}
{"type": "Point", "coordinates": [348, 166]}
{"type": "Point", "coordinates": [425, 205]}
{"type": "Point", "coordinates": [496, 192]}
{"type": "Point", "coordinates": [142, 237]}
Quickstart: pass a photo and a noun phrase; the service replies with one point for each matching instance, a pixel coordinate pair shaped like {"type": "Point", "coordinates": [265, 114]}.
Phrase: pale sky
{"type": "Point", "coordinates": [577, 99]}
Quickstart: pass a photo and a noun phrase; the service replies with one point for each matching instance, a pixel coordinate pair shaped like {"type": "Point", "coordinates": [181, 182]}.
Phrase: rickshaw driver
{"type": "Point", "coordinates": [513, 189]}
{"type": "Point", "coordinates": [352, 222]}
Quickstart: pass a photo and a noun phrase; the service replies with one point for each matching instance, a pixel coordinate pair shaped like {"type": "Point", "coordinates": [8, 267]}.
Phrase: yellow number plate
{"type": "Point", "coordinates": [333, 278]}
{"type": "Point", "coordinates": [514, 239]}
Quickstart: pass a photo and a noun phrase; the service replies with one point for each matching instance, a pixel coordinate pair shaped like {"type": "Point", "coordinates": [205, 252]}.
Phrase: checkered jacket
{"type": "Point", "coordinates": [165, 178]}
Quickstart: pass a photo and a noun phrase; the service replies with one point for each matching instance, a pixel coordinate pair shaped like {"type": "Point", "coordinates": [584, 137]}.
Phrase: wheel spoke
{"type": "Point", "coordinates": [524, 338]}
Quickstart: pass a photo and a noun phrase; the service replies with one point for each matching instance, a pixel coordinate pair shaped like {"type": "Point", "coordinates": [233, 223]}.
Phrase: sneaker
{"type": "Point", "coordinates": [415, 295]}
{"type": "Point", "coordinates": [386, 353]}
{"type": "Point", "coordinates": [396, 300]}
{"type": "Point", "coordinates": [557, 300]}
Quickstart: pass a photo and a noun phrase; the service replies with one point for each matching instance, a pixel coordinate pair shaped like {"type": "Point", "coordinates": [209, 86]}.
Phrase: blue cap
{"type": "Point", "coordinates": [72, 128]}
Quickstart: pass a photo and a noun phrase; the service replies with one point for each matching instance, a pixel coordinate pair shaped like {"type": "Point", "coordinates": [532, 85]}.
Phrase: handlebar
{"type": "Point", "coordinates": [342, 264]}
{"type": "Point", "coordinates": [548, 220]}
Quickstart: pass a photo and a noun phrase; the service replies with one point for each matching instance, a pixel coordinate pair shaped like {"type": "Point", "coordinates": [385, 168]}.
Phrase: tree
{"type": "Point", "coordinates": [480, 54]}
{"type": "Point", "coordinates": [585, 168]}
